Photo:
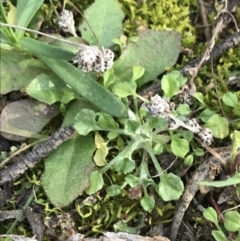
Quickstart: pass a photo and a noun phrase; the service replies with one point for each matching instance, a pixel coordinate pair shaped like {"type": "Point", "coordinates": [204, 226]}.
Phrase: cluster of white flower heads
{"type": "Point", "coordinates": [66, 22]}
{"type": "Point", "coordinates": [204, 133]}
{"type": "Point", "coordinates": [159, 107]}
{"type": "Point", "coordinates": [91, 58]}
{"type": "Point", "coordinates": [163, 108]}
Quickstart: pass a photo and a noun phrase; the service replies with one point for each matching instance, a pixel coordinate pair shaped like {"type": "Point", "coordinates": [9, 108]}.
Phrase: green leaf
{"type": "Point", "coordinates": [86, 86]}
{"type": "Point", "coordinates": [50, 89]}
{"type": "Point", "coordinates": [188, 135]}
{"type": "Point", "coordinates": [211, 215]}
{"type": "Point", "coordinates": [85, 121]}
{"type": "Point", "coordinates": [232, 221]}
{"type": "Point", "coordinates": [67, 170]}
{"type": "Point", "coordinates": [199, 97]}
{"type": "Point", "coordinates": [154, 50]}
{"type": "Point", "coordinates": [148, 203]}
{"type": "Point", "coordinates": [123, 227]}
{"type": "Point", "coordinates": [230, 99]}
{"type": "Point", "coordinates": [220, 130]}
{"type": "Point", "coordinates": [188, 160]}
{"type": "Point", "coordinates": [25, 118]}
{"type": "Point", "coordinates": [235, 136]}
{"type": "Point", "coordinates": [114, 190]}
{"type": "Point", "coordinates": [124, 89]}
{"type": "Point", "coordinates": [18, 69]}
{"type": "Point", "coordinates": [132, 127]}
{"type": "Point", "coordinates": [157, 122]}
{"type": "Point", "coordinates": [138, 72]}
{"type": "Point", "coordinates": [198, 152]}
{"type": "Point", "coordinates": [233, 180]}
{"type": "Point", "coordinates": [158, 149]}
{"type": "Point", "coordinates": [179, 146]}
{"type": "Point", "coordinates": [25, 13]}
{"type": "Point", "coordinates": [132, 180]}
{"type": "Point", "coordinates": [170, 187]}
{"type": "Point", "coordinates": [205, 115]}
{"type": "Point", "coordinates": [73, 109]}
{"type": "Point", "coordinates": [96, 182]}
{"type": "Point", "coordinates": [170, 85]}
{"type": "Point", "coordinates": [46, 50]}
{"type": "Point", "coordinates": [219, 235]}
{"type": "Point", "coordinates": [105, 18]}
{"type": "Point", "coordinates": [125, 166]}
{"type": "Point", "coordinates": [106, 121]}
{"type": "Point", "coordinates": [101, 152]}
{"type": "Point", "coordinates": [183, 109]}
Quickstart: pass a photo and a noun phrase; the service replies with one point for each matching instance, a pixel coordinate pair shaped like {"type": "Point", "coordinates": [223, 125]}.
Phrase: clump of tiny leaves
{"type": "Point", "coordinates": [114, 133]}
{"type": "Point", "coordinates": [230, 227]}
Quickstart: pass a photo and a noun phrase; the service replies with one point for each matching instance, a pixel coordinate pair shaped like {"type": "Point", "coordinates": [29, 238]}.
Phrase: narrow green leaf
{"type": "Point", "coordinates": [46, 50]}
{"type": "Point", "coordinates": [86, 86]}
{"type": "Point", "coordinates": [233, 180]}
{"type": "Point", "coordinates": [25, 12]}
{"type": "Point", "coordinates": [67, 170]}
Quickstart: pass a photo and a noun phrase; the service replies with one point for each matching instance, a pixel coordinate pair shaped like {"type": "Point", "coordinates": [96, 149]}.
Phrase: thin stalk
{"type": "Point", "coordinates": [43, 34]}
{"type": "Point", "coordinates": [154, 159]}
{"type": "Point", "coordinates": [126, 152]}
{"type": "Point", "coordinates": [31, 197]}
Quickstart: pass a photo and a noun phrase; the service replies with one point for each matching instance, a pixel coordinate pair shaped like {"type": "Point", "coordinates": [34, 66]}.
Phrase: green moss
{"type": "Point", "coordinates": [157, 15]}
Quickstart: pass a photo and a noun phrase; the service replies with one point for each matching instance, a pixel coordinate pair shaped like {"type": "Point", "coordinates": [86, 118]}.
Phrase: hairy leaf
{"type": "Point", "coordinates": [105, 18]}
{"type": "Point", "coordinates": [25, 118]}
{"type": "Point", "coordinates": [67, 170]}
{"type": "Point", "coordinates": [155, 51]}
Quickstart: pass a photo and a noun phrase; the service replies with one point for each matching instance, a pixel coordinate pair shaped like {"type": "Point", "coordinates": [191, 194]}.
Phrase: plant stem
{"type": "Point", "coordinates": [154, 159]}
{"type": "Point", "coordinates": [126, 152]}
{"type": "Point", "coordinates": [43, 34]}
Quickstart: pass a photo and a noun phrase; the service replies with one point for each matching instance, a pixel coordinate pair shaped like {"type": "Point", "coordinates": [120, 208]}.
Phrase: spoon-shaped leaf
{"type": "Point", "coordinates": [155, 51]}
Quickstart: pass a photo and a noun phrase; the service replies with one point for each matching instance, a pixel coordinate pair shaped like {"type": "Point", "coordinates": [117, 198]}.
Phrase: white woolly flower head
{"type": "Point", "coordinates": [91, 58]}
{"type": "Point", "coordinates": [66, 22]}
{"type": "Point", "coordinates": [206, 135]}
{"type": "Point", "coordinates": [158, 106]}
